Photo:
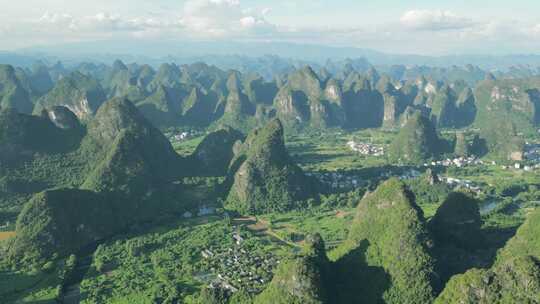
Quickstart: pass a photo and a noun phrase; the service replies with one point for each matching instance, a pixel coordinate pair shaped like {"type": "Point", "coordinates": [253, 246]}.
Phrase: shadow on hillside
{"type": "Point", "coordinates": [356, 281]}
{"type": "Point", "coordinates": [452, 260]}
{"type": "Point", "coordinates": [14, 286]}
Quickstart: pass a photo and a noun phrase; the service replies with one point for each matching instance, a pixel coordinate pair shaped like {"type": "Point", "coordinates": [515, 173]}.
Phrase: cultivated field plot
{"type": "Point", "coordinates": [6, 235]}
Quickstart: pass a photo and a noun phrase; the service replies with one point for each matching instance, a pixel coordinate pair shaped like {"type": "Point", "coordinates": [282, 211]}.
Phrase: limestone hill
{"type": "Point", "coordinates": [12, 92]}
{"type": "Point", "coordinates": [62, 222]}
{"type": "Point", "coordinates": [264, 177]}
{"type": "Point", "coordinates": [81, 94]}
{"type": "Point", "coordinates": [385, 258]}
{"type": "Point", "coordinates": [416, 142]}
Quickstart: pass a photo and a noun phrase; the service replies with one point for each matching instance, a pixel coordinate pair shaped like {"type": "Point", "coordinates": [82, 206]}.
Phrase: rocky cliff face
{"type": "Point", "coordinates": [444, 108]}
{"type": "Point", "coordinates": [292, 106]}
{"type": "Point", "coordinates": [512, 100]}
{"type": "Point", "coordinates": [81, 94]}
{"type": "Point", "coordinates": [237, 103]}
{"type": "Point", "coordinates": [62, 118]}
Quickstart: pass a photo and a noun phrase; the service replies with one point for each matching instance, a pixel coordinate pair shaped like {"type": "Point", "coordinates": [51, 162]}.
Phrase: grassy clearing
{"type": "Point", "coordinates": [329, 151]}
{"type": "Point", "coordinates": [294, 226]}
{"type": "Point", "coordinates": [187, 147]}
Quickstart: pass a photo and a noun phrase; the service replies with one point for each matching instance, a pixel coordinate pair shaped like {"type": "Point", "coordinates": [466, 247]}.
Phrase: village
{"type": "Point", "coordinates": [338, 180]}
{"type": "Point", "coordinates": [532, 153]}
{"type": "Point", "coordinates": [456, 162]}
{"type": "Point", "coordinates": [180, 136]}
{"type": "Point", "coordinates": [456, 183]}
{"type": "Point", "coordinates": [366, 148]}
{"type": "Point", "coordinates": [237, 268]}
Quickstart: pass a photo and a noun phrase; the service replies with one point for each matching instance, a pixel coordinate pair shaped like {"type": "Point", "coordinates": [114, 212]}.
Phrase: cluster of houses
{"type": "Point", "coordinates": [519, 166]}
{"type": "Point", "coordinates": [366, 149]}
{"type": "Point", "coordinates": [237, 268]}
{"type": "Point", "coordinates": [5, 226]}
{"type": "Point", "coordinates": [459, 183]}
{"type": "Point", "coordinates": [180, 136]}
{"type": "Point", "coordinates": [532, 153]}
{"type": "Point", "coordinates": [337, 180]}
{"type": "Point", "coordinates": [456, 162]}
{"type": "Point", "coordinates": [342, 181]}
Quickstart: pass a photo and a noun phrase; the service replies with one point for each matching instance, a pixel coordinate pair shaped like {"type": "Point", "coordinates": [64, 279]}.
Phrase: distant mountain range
{"type": "Point", "coordinates": [219, 53]}
{"type": "Point", "coordinates": [348, 94]}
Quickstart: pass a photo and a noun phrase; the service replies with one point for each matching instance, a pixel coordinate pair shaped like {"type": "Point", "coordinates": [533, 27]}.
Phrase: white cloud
{"type": "Point", "coordinates": [100, 22]}
{"type": "Point", "coordinates": [64, 21]}
{"type": "Point", "coordinates": [437, 20]}
{"type": "Point", "coordinates": [266, 11]}
{"type": "Point", "coordinates": [414, 31]}
{"type": "Point", "coordinates": [52, 28]}
{"type": "Point", "coordinates": [222, 18]}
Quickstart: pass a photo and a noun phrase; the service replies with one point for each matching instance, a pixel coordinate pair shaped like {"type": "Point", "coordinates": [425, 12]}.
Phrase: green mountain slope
{"type": "Point", "coordinates": [81, 94]}
{"type": "Point", "coordinates": [515, 277]}
{"type": "Point", "coordinates": [12, 92]}
{"type": "Point", "coordinates": [416, 142]}
{"type": "Point", "coordinates": [264, 177]}
{"type": "Point", "coordinates": [385, 258]}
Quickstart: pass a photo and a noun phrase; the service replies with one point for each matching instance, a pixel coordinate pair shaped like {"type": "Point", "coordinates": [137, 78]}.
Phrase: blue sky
{"type": "Point", "coordinates": [397, 26]}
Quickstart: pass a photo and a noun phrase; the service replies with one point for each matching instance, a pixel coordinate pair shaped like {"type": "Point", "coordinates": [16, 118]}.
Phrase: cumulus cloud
{"type": "Point", "coordinates": [222, 18]}
{"type": "Point", "coordinates": [64, 21]}
{"type": "Point", "coordinates": [437, 20]}
{"type": "Point", "coordinates": [101, 22]}
{"type": "Point", "coordinates": [432, 31]}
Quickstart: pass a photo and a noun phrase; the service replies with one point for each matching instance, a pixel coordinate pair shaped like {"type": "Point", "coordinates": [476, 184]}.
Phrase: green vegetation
{"type": "Point", "coordinates": [12, 93]}
{"type": "Point", "coordinates": [416, 142]}
{"type": "Point", "coordinates": [388, 245]}
{"type": "Point", "coordinates": [457, 221]}
{"type": "Point", "coordinates": [265, 178]}
{"type": "Point", "coordinates": [348, 193]}
{"type": "Point", "coordinates": [215, 152]}
{"type": "Point", "coordinates": [81, 94]}
{"type": "Point", "coordinates": [510, 101]}
{"type": "Point", "coordinates": [62, 222]}
{"type": "Point", "coordinates": [301, 280]}
{"type": "Point", "coordinates": [513, 278]}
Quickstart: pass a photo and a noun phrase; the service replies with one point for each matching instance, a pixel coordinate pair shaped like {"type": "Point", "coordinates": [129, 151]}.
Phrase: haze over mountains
{"type": "Point", "coordinates": [234, 54]}
{"type": "Point", "coordinates": [348, 94]}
